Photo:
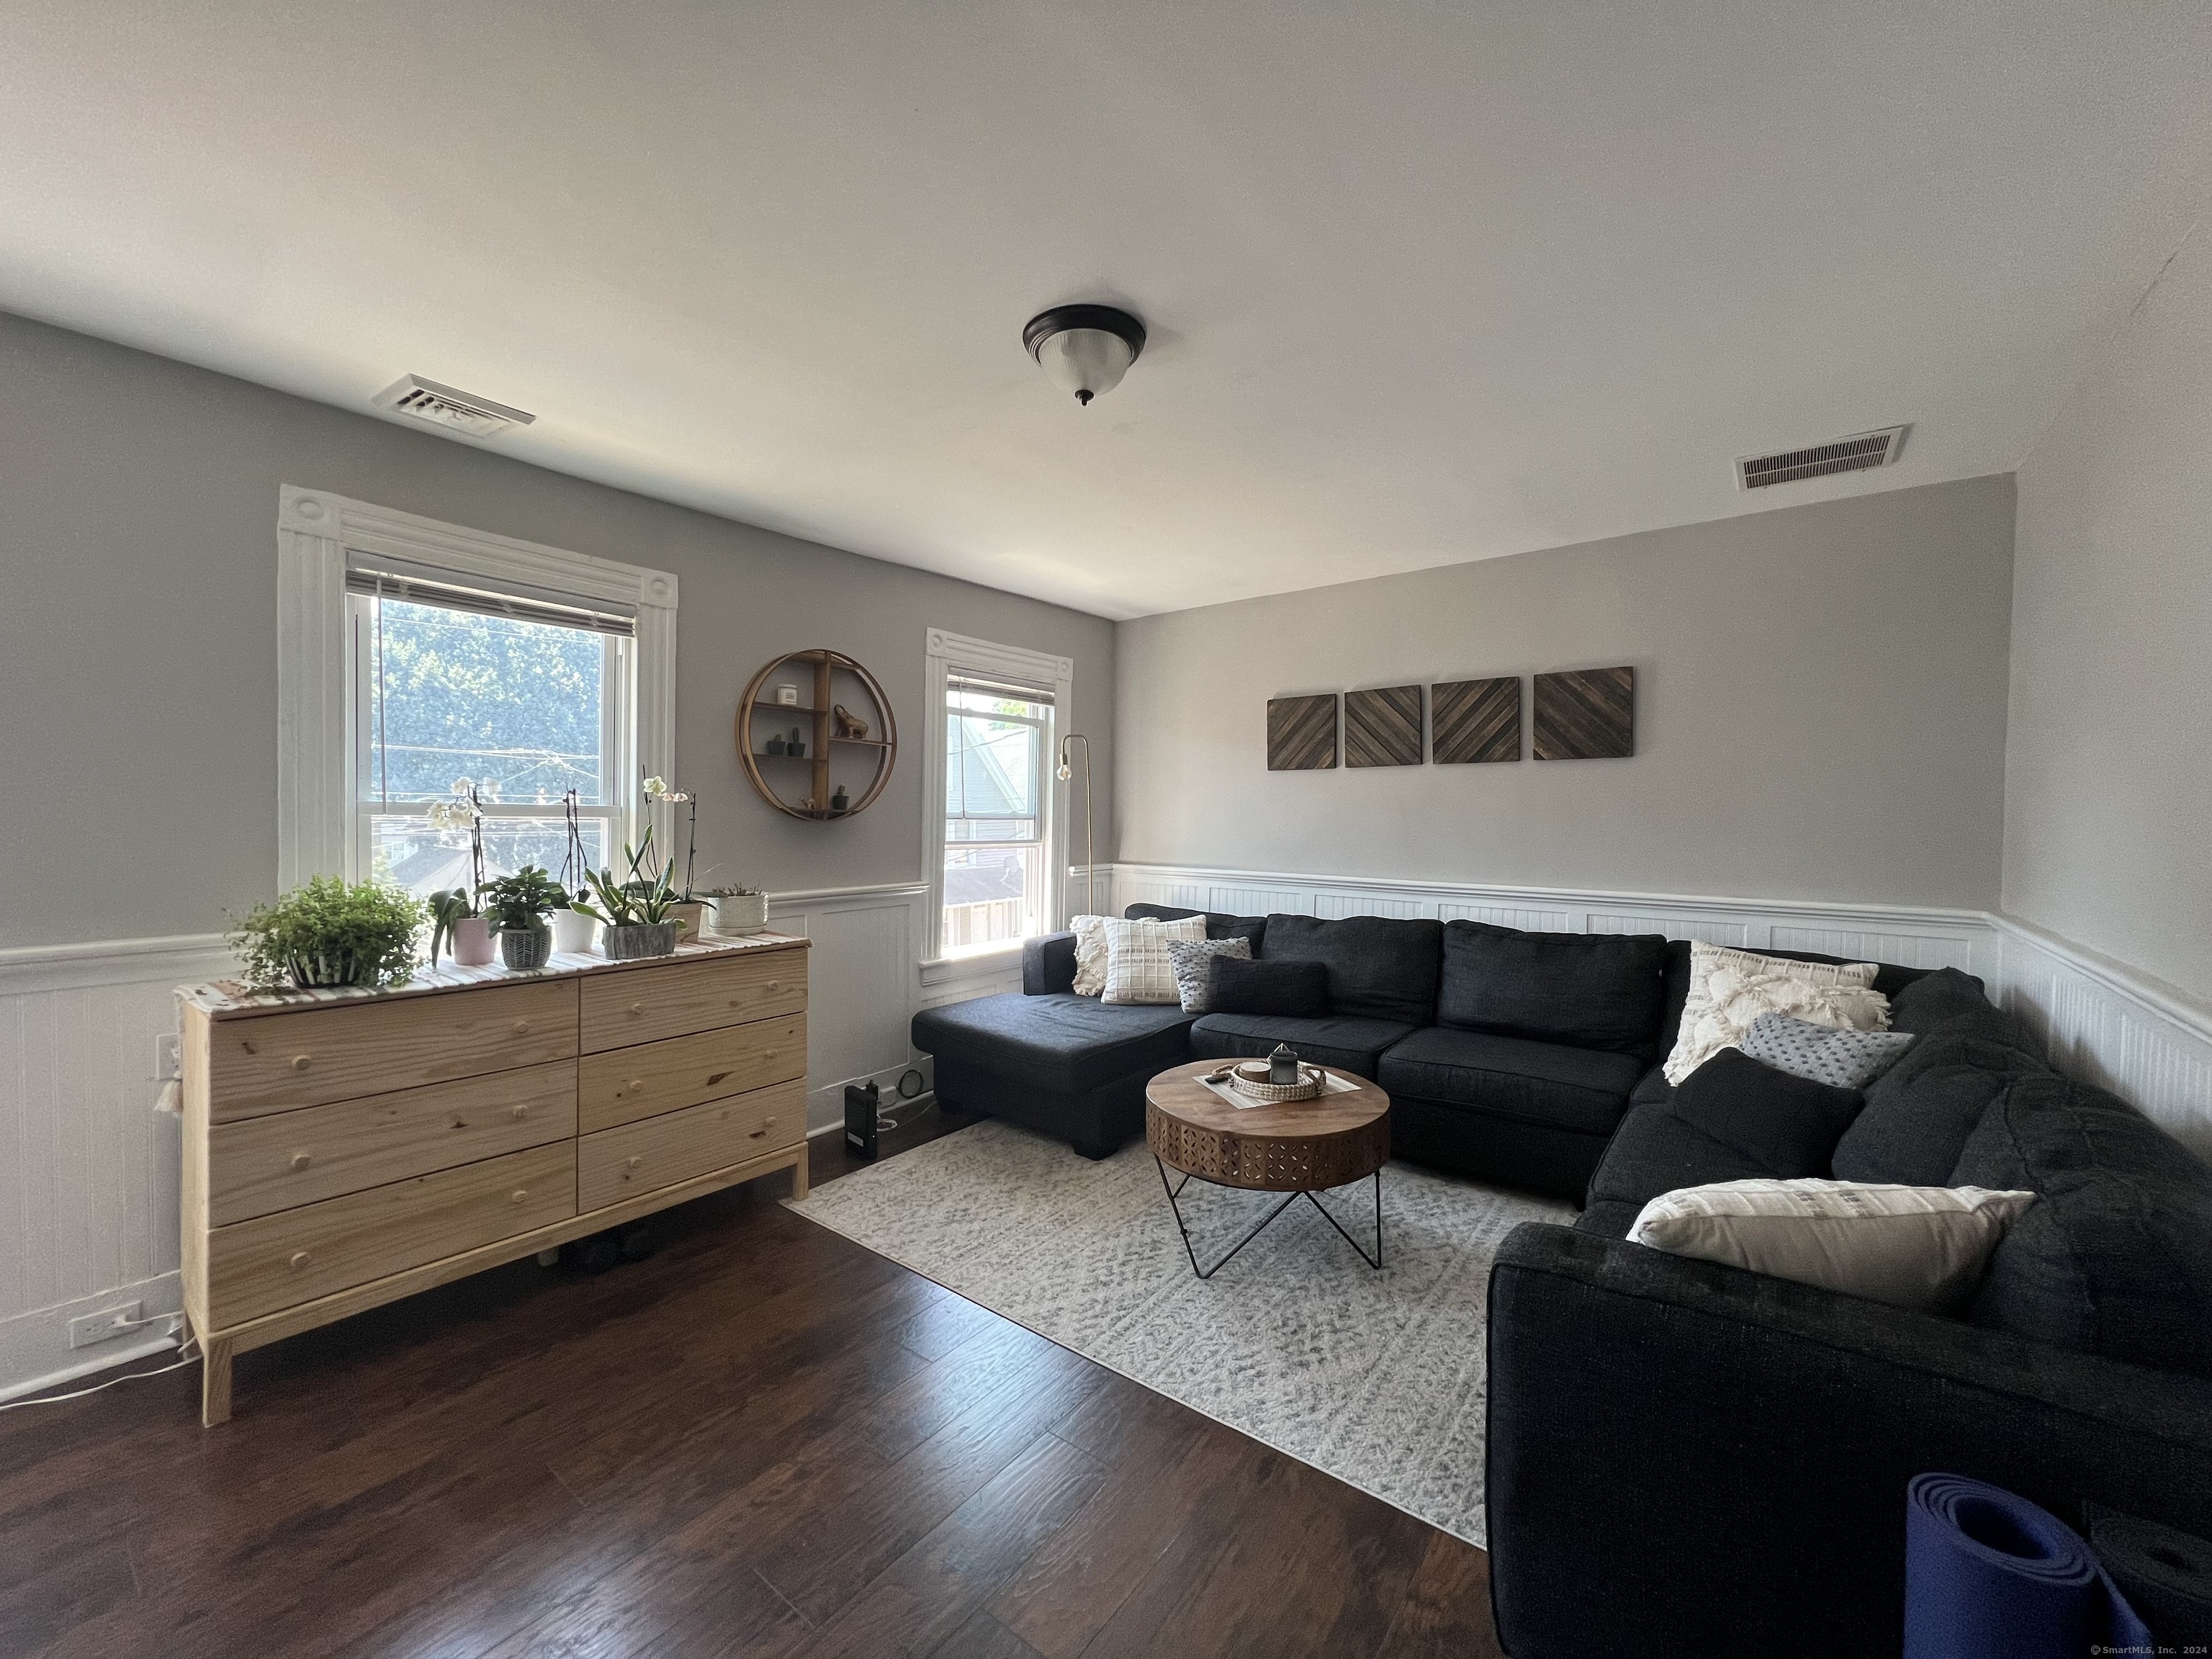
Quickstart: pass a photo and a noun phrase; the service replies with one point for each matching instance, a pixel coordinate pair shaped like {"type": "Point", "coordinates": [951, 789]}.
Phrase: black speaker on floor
{"type": "Point", "coordinates": [860, 1120]}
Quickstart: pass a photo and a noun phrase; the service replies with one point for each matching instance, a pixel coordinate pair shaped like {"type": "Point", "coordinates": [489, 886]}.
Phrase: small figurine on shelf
{"type": "Point", "coordinates": [776, 745]}
{"type": "Point", "coordinates": [849, 725]}
{"type": "Point", "coordinates": [796, 745]}
{"type": "Point", "coordinates": [841, 802]}
{"type": "Point", "coordinates": [806, 803]}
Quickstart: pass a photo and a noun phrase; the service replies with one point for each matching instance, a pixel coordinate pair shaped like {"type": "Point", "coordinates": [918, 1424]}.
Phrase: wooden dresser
{"type": "Point", "coordinates": [342, 1149]}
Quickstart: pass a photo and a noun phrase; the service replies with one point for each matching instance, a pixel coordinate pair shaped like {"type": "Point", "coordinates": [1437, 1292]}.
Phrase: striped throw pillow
{"type": "Point", "coordinates": [1137, 965]}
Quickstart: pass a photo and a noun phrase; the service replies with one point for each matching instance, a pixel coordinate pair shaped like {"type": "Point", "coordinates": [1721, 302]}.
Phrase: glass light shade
{"type": "Point", "coordinates": [1084, 361]}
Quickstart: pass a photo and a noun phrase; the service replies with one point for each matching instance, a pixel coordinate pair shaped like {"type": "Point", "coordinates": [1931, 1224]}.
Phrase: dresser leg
{"type": "Point", "coordinates": [798, 1173]}
{"type": "Point", "coordinates": [215, 1381]}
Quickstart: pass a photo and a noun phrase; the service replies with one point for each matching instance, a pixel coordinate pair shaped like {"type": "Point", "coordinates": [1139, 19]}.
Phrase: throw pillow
{"type": "Point", "coordinates": [1090, 955]}
{"type": "Point", "coordinates": [1137, 965]}
{"type": "Point", "coordinates": [1728, 989]}
{"type": "Point", "coordinates": [1193, 962]}
{"type": "Point", "coordinates": [1912, 1246]}
{"type": "Point", "coordinates": [1280, 985]}
{"type": "Point", "coordinates": [1842, 1060]}
{"type": "Point", "coordinates": [1784, 1122]}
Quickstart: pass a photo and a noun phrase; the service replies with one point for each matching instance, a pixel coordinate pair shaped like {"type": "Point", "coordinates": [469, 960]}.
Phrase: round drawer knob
{"type": "Point", "coordinates": [768, 1053]}
{"type": "Point", "coordinates": [522, 1028]}
{"type": "Point", "coordinates": [300, 1063]}
{"type": "Point", "coordinates": [301, 1258]}
{"type": "Point", "coordinates": [637, 1007]}
{"type": "Point", "coordinates": [518, 1195]}
{"type": "Point", "coordinates": [634, 1085]}
{"type": "Point", "coordinates": [301, 1160]}
{"type": "Point", "coordinates": [632, 1163]}
{"type": "Point", "coordinates": [522, 1111]}
{"type": "Point", "coordinates": [768, 1123]}
{"type": "Point", "coordinates": [776, 985]}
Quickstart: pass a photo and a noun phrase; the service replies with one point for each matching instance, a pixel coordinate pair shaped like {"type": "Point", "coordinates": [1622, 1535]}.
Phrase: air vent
{"type": "Point", "coordinates": [1859, 453]}
{"type": "Point", "coordinates": [441, 405]}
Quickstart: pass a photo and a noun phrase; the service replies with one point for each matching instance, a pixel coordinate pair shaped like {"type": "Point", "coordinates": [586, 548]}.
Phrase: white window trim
{"type": "Point", "coordinates": [314, 773]}
{"type": "Point", "coordinates": [950, 653]}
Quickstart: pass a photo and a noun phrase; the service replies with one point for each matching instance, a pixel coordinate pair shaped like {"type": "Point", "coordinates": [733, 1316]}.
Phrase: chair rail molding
{"type": "Point", "coordinates": [314, 529]}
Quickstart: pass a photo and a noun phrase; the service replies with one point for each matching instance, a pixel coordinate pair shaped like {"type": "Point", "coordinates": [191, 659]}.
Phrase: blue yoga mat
{"type": "Point", "coordinates": [1990, 1576]}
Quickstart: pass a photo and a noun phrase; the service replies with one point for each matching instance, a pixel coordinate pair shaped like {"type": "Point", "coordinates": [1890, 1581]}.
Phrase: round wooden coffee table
{"type": "Point", "coordinates": [1298, 1147]}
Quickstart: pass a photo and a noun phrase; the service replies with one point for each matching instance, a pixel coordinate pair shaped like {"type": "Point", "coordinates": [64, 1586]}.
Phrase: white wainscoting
{"type": "Point", "coordinates": [2103, 1023]}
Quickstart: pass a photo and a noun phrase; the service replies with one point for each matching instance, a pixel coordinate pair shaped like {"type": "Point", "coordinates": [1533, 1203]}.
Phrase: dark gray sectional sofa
{"type": "Point", "coordinates": [1687, 1459]}
{"type": "Point", "coordinates": [1508, 1055]}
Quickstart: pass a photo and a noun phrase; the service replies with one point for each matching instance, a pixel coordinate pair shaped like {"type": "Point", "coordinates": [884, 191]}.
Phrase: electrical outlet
{"type": "Point", "coordinates": [121, 1320]}
{"type": "Point", "coordinates": [167, 1063]}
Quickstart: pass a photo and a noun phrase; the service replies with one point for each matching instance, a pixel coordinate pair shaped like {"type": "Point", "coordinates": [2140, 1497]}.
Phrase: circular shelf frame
{"type": "Point", "coordinates": [825, 665]}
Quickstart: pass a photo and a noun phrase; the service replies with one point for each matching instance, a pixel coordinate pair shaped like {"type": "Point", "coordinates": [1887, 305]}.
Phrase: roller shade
{"type": "Point", "coordinates": [397, 579]}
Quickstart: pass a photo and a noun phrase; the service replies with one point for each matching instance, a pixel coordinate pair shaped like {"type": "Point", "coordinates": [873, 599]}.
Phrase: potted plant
{"type": "Point", "coordinates": [517, 906]}
{"type": "Point", "coordinates": [456, 919]}
{"type": "Point", "coordinates": [739, 910]}
{"type": "Point", "coordinates": [330, 932]}
{"type": "Point", "coordinates": [572, 928]}
{"type": "Point", "coordinates": [633, 913]}
{"type": "Point", "coordinates": [688, 912]}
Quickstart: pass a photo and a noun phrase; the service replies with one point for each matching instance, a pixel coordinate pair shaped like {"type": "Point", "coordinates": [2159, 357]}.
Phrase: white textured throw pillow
{"type": "Point", "coordinates": [1137, 965]}
{"type": "Point", "coordinates": [1193, 962]}
{"type": "Point", "coordinates": [1911, 1247]}
{"type": "Point", "coordinates": [1090, 955]}
{"type": "Point", "coordinates": [1730, 989]}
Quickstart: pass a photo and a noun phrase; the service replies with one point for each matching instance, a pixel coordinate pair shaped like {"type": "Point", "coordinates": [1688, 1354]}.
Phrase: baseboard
{"type": "Point", "coordinates": [34, 1350]}
{"type": "Point", "coordinates": [825, 1106]}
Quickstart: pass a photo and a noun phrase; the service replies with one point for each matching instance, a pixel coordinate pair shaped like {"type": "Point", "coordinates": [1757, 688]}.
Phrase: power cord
{"type": "Point", "coordinates": [189, 1349]}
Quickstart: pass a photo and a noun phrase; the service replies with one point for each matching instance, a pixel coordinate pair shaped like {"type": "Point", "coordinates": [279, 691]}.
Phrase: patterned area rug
{"type": "Point", "coordinates": [1376, 1378]}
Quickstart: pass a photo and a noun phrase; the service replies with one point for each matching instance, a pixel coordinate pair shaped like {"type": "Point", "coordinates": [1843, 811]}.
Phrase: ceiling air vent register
{"type": "Point", "coordinates": [456, 410]}
{"type": "Point", "coordinates": [1859, 453]}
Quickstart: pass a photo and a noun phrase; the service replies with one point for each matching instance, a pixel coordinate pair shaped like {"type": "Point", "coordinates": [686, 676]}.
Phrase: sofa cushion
{"type": "Point", "coordinates": [1610, 1218]}
{"type": "Point", "coordinates": [1933, 998]}
{"type": "Point", "coordinates": [1586, 990]}
{"type": "Point", "coordinates": [1348, 1043]}
{"type": "Point", "coordinates": [1291, 989]}
{"type": "Point", "coordinates": [1790, 1124]}
{"type": "Point", "coordinates": [1920, 1111]}
{"type": "Point", "coordinates": [2115, 1258]}
{"type": "Point", "coordinates": [1654, 1090]}
{"type": "Point", "coordinates": [1891, 980]}
{"type": "Point", "coordinates": [1218, 925]}
{"type": "Point", "coordinates": [1654, 1151]}
{"type": "Point", "coordinates": [1379, 968]}
{"type": "Point", "coordinates": [1063, 1043]}
{"type": "Point", "coordinates": [1580, 1089]}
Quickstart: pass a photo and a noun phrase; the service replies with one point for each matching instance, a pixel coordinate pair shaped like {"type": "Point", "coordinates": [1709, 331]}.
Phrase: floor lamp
{"type": "Point", "coordinates": [1066, 772]}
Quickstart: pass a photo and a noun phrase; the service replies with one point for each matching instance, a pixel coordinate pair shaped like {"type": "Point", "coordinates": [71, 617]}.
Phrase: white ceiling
{"type": "Point", "coordinates": [1427, 282]}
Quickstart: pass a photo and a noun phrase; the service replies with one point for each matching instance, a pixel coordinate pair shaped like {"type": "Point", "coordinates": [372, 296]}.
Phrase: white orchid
{"type": "Point", "coordinates": [658, 789]}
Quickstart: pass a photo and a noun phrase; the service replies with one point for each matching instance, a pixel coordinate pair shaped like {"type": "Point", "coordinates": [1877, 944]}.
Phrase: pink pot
{"type": "Point", "coordinates": [475, 946]}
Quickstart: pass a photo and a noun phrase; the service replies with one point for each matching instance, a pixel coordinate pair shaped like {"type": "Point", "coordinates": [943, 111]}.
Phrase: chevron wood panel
{"type": "Point", "coordinates": [1382, 728]}
{"type": "Point", "coordinates": [1588, 713]}
{"type": "Point", "coordinates": [1302, 733]}
{"type": "Point", "coordinates": [1475, 721]}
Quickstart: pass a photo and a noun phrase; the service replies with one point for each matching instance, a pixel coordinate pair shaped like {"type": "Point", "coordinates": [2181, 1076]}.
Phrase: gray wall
{"type": "Point", "coordinates": [1820, 712]}
{"type": "Point", "coordinates": [138, 635]}
{"type": "Point", "coordinates": [2108, 783]}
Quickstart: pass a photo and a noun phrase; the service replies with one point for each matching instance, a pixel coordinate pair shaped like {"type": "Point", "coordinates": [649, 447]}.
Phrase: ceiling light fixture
{"type": "Point", "coordinates": [1085, 349]}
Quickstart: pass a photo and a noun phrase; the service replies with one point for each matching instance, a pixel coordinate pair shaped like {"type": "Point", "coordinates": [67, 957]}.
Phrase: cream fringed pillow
{"type": "Point", "coordinates": [1090, 955]}
{"type": "Point", "coordinates": [1730, 989]}
{"type": "Point", "coordinates": [1911, 1247]}
{"type": "Point", "coordinates": [1138, 967]}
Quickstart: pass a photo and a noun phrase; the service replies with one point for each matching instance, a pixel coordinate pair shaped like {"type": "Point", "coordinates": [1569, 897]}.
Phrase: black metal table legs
{"type": "Point", "coordinates": [1175, 1191]}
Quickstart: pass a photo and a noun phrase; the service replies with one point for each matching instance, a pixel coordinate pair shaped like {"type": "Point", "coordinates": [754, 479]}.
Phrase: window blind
{"type": "Point", "coordinates": [996, 685]}
{"type": "Point", "coordinates": [399, 579]}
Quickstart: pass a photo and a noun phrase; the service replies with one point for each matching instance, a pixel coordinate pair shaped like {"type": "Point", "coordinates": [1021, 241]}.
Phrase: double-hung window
{"type": "Point", "coordinates": [993, 795]}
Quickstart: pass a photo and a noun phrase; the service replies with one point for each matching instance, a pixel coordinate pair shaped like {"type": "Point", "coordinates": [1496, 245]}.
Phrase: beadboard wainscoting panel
{"type": "Point", "coordinates": [88, 1190]}
{"type": "Point", "coordinates": [861, 985]}
{"type": "Point", "coordinates": [2145, 1040]}
{"type": "Point", "coordinates": [1705, 929]}
{"type": "Point", "coordinates": [1507, 915]}
{"type": "Point", "coordinates": [1335, 905]}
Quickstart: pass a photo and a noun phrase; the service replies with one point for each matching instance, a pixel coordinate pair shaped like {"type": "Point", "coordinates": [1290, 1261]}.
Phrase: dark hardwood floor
{"type": "Point", "coordinates": [764, 1440]}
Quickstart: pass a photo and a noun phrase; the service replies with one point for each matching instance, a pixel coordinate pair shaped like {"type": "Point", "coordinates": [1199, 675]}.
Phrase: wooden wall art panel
{"type": "Point", "coordinates": [1474, 720]}
{"type": "Point", "coordinates": [1302, 733]}
{"type": "Point", "coordinates": [1588, 713]}
{"type": "Point", "coordinates": [1382, 727]}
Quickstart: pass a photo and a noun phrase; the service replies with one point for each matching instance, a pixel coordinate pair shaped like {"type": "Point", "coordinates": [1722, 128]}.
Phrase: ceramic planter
{"type": "Point", "coordinates": [640, 939]}
{"type": "Point", "coordinates": [472, 943]}
{"type": "Point", "coordinates": [325, 969]}
{"type": "Point", "coordinates": [741, 913]}
{"type": "Point", "coordinates": [692, 913]}
{"type": "Point", "coordinates": [572, 931]}
{"type": "Point", "coordinates": [524, 950]}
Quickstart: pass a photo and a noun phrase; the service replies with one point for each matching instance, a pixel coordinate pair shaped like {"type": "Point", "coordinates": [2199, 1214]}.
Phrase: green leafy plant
{"type": "Point", "coordinates": [739, 891]}
{"type": "Point", "coordinates": [446, 908]}
{"type": "Point", "coordinates": [330, 932]}
{"type": "Point", "coordinates": [519, 903]}
{"type": "Point", "coordinates": [640, 899]}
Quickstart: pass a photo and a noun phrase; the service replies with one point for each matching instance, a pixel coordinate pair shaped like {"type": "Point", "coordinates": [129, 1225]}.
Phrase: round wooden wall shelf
{"type": "Point", "coordinates": [836, 695]}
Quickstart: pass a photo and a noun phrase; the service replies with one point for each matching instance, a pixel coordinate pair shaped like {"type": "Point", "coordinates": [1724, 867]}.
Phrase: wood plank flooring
{"type": "Point", "coordinates": [765, 1440]}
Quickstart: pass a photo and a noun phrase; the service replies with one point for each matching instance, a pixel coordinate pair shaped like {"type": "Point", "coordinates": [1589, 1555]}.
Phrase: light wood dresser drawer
{"type": "Point", "coordinates": [260, 1164]}
{"type": "Point", "coordinates": [659, 1152]}
{"type": "Point", "coordinates": [279, 1260]}
{"type": "Point", "coordinates": [643, 1005]}
{"type": "Point", "coordinates": [277, 1062]}
{"type": "Point", "coordinates": [621, 1085]}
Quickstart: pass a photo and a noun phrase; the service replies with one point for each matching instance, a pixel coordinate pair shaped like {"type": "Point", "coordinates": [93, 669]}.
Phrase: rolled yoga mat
{"type": "Point", "coordinates": [2166, 1575]}
{"type": "Point", "coordinates": [1990, 1576]}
